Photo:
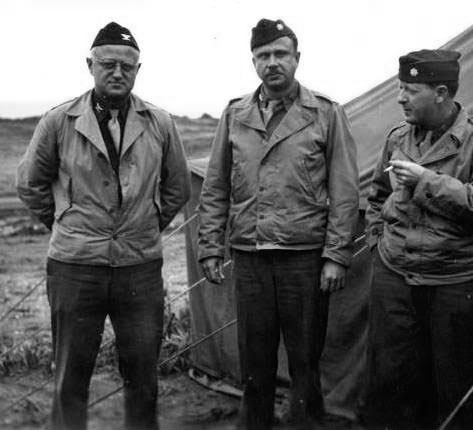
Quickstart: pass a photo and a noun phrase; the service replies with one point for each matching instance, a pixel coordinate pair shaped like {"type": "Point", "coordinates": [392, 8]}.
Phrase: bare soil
{"type": "Point", "coordinates": [182, 402]}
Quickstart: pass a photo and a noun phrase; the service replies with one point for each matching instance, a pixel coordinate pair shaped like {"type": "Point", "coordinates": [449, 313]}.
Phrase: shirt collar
{"type": "Point", "coordinates": [102, 107]}
{"type": "Point", "coordinates": [420, 132]}
{"type": "Point", "coordinates": [287, 100]}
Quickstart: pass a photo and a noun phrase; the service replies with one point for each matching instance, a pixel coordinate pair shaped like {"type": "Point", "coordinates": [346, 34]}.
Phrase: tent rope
{"type": "Point", "coordinates": [19, 302]}
{"type": "Point", "coordinates": [26, 339]}
{"type": "Point", "coordinates": [194, 285]}
{"type": "Point", "coordinates": [26, 396]}
{"type": "Point", "coordinates": [170, 358]}
{"type": "Point", "coordinates": [357, 253]}
{"type": "Point", "coordinates": [447, 421]}
{"type": "Point", "coordinates": [38, 284]}
{"type": "Point", "coordinates": [180, 227]}
{"type": "Point", "coordinates": [359, 239]}
{"type": "Point", "coordinates": [162, 363]}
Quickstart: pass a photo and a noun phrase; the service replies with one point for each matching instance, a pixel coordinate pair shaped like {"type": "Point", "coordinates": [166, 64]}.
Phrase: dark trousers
{"type": "Point", "coordinates": [420, 352]}
{"type": "Point", "coordinates": [278, 291]}
{"type": "Point", "coordinates": [81, 296]}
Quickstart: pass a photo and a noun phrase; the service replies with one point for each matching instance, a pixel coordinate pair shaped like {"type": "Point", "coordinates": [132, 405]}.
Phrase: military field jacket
{"type": "Point", "coordinates": [425, 232]}
{"type": "Point", "coordinates": [297, 189]}
{"type": "Point", "coordinates": [67, 181]}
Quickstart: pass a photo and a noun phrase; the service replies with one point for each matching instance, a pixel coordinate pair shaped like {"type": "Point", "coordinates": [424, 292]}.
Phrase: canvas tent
{"type": "Point", "coordinates": [372, 115]}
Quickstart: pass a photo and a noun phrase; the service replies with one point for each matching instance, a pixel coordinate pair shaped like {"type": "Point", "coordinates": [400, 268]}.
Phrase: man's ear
{"type": "Point", "coordinates": [89, 64]}
{"type": "Point", "coordinates": [441, 93]}
{"type": "Point", "coordinates": [298, 57]}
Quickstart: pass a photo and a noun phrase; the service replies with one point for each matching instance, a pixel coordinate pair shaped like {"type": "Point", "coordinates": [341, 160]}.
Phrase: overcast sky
{"type": "Point", "coordinates": [195, 53]}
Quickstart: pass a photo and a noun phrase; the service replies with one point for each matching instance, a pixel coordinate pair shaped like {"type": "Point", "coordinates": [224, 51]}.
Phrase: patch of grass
{"type": "Point", "coordinates": [22, 260]}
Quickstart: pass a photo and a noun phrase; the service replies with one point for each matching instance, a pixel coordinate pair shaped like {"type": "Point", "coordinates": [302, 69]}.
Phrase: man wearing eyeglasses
{"type": "Point", "coordinates": [107, 173]}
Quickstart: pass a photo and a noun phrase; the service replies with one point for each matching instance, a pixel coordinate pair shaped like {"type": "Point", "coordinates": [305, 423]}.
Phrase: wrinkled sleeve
{"type": "Point", "coordinates": [379, 191]}
{"type": "Point", "coordinates": [343, 189]}
{"type": "Point", "coordinates": [215, 197]}
{"type": "Point", "coordinates": [175, 177]}
{"type": "Point", "coordinates": [37, 171]}
{"type": "Point", "coordinates": [445, 196]}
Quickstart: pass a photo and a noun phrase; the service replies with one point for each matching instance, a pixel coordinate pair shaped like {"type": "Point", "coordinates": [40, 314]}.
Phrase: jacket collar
{"type": "Point", "coordinates": [247, 110]}
{"type": "Point", "coordinates": [446, 146]}
{"type": "Point", "coordinates": [87, 125]}
{"type": "Point", "coordinates": [450, 142]}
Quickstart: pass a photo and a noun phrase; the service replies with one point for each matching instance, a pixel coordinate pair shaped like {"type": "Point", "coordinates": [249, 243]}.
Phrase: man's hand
{"type": "Point", "coordinates": [213, 269]}
{"type": "Point", "coordinates": [332, 277]}
{"type": "Point", "coordinates": [406, 172]}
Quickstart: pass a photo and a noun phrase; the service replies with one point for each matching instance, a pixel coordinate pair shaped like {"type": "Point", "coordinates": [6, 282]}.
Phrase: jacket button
{"type": "Point", "coordinates": [114, 236]}
{"type": "Point", "coordinates": [428, 195]}
{"type": "Point", "coordinates": [409, 249]}
{"type": "Point", "coordinates": [101, 156]}
{"type": "Point", "coordinates": [106, 183]}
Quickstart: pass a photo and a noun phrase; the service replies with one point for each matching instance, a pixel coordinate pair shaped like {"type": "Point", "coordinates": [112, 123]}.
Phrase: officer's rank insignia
{"type": "Point", "coordinates": [126, 37]}
{"type": "Point", "coordinates": [413, 72]}
{"type": "Point", "coordinates": [98, 108]}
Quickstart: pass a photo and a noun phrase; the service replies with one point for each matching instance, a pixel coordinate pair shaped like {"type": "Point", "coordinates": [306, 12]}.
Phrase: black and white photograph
{"type": "Point", "coordinates": [236, 215]}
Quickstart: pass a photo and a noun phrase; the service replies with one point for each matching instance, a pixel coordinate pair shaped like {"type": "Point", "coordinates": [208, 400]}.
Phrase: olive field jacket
{"type": "Point", "coordinates": [426, 232]}
{"type": "Point", "coordinates": [297, 189]}
{"type": "Point", "coordinates": [66, 179]}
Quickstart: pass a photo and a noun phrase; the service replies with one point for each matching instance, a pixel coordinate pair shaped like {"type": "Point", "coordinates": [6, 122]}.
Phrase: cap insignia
{"type": "Point", "coordinates": [126, 36]}
{"type": "Point", "coordinates": [279, 26]}
{"type": "Point", "coordinates": [413, 72]}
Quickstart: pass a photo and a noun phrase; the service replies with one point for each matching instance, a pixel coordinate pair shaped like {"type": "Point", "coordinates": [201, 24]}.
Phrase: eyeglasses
{"type": "Point", "coordinates": [110, 65]}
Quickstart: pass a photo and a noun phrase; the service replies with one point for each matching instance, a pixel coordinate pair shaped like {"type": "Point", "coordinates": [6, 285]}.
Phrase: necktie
{"type": "Point", "coordinates": [114, 128]}
{"type": "Point", "coordinates": [273, 114]}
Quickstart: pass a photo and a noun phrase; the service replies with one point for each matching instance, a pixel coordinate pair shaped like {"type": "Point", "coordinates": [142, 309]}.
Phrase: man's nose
{"type": "Point", "coordinates": [401, 97]}
{"type": "Point", "coordinates": [273, 61]}
{"type": "Point", "coordinates": [117, 71]}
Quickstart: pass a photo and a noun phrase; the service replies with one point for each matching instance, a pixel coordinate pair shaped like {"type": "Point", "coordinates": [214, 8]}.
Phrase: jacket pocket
{"type": "Point", "coordinates": [313, 177]}
{"type": "Point", "coordinates": [63, 197]}
{"type": "Point", "coordinates": [157, 199]}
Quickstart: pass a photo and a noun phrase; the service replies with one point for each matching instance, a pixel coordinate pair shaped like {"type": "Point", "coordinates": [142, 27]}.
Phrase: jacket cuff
{"type": "Point", "coordinates": [343, 258]}
{"type": "Point", "coordinates": [203, 254]}
{"type": "Point", "coordinates": [422, 191]}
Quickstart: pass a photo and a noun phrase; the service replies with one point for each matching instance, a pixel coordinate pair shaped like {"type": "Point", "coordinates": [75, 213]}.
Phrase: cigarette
{"type": "Point", "coordinates": [388, 169]}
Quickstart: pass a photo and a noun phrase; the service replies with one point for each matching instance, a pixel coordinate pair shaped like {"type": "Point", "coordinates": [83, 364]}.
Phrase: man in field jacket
{"type": "Point", "coordinates": [107, 173]}
{"type": "Point", "coordinates": [283, 178]}
{"type": "Point", "coordinates": [420, 226]}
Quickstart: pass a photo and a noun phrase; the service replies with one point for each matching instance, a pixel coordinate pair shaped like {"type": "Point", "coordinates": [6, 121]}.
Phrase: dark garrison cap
{"type": "Point", "coordinates": [115, 34]}
{"type": "Point", "coordinates": [266, 31]}
{"type": "Point", "coordinates": [438, 65]}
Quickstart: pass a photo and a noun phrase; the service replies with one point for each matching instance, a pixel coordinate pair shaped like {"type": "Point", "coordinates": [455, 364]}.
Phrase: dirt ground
{"type": "Point", "coordinates": [183, 403]}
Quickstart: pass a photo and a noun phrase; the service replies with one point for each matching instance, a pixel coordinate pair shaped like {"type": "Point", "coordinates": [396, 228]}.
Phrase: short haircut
{"type": "Point", "coordinates": [452, 87]}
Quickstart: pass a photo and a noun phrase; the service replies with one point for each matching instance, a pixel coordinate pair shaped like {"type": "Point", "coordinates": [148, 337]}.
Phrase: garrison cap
{"type": "Point", "coordinates": [438, 65]}
{"type": "Point", "coordinates": [115, 34]}
{"type": "Point", "coordinates": [267, 30]}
